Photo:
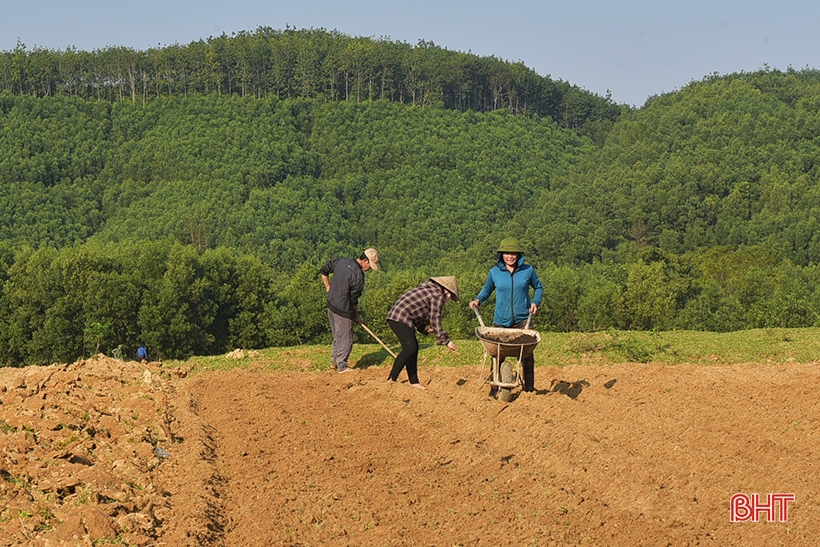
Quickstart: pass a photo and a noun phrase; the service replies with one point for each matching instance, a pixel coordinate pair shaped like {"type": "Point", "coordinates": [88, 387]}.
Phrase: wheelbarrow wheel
{"type": "Point", "coordinates": [505, 393]}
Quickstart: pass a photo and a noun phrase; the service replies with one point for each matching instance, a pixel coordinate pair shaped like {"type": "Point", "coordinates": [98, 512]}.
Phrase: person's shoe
{"type": "Point", "coordinates": [418, 386]}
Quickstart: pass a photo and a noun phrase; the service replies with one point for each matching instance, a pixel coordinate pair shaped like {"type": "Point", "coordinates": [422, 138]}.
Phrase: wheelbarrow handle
{"type": "Point", "coordinates": [480, 320]}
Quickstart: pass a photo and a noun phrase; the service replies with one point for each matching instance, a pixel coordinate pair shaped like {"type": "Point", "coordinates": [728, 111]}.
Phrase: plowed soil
{"type": "Point", "coordinates": [109, 452]}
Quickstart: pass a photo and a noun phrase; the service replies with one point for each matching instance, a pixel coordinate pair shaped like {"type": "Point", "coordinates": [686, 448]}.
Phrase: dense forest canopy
{"type": "Point", "coordinates": [192, 212]}
{"type": "Point", "coordinates": [294, 179]}
{"type": "Point", "coordinates": [730, 161]}
{"type": "Point", "coordinates": [307, 64]}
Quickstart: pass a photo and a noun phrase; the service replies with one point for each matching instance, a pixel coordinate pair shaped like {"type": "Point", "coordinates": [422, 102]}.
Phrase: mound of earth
{"type": "Point", "coordinates": [104, 451]}
{"type": "Point", "coordinates": [80, 452]}
{"type": "Point", "coordinates": [519, 337]}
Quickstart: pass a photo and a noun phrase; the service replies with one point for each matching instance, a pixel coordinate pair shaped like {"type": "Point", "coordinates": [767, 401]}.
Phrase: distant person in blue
{"type": "Point", "coordinates": [142, 353]}
{"type": "Point", "coordinates": [511, 279]}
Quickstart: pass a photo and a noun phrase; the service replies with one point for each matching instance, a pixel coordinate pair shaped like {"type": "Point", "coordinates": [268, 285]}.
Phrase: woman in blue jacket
{"type": "Point", "coordinates": [511, 280]}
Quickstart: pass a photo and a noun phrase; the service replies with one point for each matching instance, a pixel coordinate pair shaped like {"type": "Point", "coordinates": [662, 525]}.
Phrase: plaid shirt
{"type": "Point", "coordinates": [420, 306]}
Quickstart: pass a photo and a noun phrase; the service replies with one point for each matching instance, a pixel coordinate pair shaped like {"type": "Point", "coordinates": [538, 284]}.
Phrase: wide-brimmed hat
{"type": "Point", "coordinates": [373, 257]}
{"type": "Point", "coordinates": [509, 245]}
{"type": "Point", "coordinates": [448, 282]}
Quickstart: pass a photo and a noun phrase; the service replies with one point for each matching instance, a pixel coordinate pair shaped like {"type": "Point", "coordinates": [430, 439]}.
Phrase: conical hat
{"type": "Point", "coordinates": [449, 283]}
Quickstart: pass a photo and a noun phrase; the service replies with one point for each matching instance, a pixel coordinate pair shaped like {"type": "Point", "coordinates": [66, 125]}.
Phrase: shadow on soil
{"type": "Point", "coordinates": [570, 389]}
{"type": "Point", "coordinates": [573, 389]}
{"type": "Point", "coordinates": [375, 359]}
{"type": "Point", "coordinates": [381, 357]}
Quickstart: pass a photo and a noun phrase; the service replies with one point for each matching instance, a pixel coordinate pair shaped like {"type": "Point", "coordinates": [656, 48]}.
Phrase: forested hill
{"type": "Point", "coordinates": [730, 161]}
{"type": "Point", "coordinates": [197, 223]}
{"type": "Point", "coordinates": [290, 181]}
{"type": "Point", "coordinates": [710, 194]}
{"type": "Point", "coordinates": [307, 64]}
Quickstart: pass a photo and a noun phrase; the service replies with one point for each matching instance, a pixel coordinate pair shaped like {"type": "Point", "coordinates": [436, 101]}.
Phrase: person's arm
{"type": "Point", "coordinates": [325, 273]}
{"type": "Point", "coordinates": [486, 291]}
{"type": "Point", "coordinates": [539, 292]}
{"type": "Point", "coordinates": [442, 337]}
{"type": "Point", "coordinates": [356, 289]}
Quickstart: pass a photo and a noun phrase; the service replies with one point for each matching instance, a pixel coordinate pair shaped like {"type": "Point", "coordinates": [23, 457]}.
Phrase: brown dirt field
{"type": "Point", "coordinates": [255, 457]}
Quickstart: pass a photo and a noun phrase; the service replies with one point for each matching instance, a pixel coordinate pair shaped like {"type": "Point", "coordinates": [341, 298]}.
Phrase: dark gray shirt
{"type": "Point", "coordinates": [346, 286]}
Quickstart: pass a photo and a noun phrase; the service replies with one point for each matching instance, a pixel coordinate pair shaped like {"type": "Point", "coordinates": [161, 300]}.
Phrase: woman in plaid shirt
{"type": "Point", "coordinates": [420, 310]}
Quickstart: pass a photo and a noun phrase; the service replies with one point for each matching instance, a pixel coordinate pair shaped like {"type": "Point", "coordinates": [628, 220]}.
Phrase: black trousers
{"type": "Point", "coordinates": [409, 355]}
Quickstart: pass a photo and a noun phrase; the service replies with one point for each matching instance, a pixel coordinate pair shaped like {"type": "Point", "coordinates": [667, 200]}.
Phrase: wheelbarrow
{"type": "Point", "coordinates": [500, 343]}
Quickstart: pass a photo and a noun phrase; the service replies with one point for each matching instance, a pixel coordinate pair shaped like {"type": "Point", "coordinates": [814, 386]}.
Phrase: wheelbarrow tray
{"type": "Point", "coordinates": [500, 342]}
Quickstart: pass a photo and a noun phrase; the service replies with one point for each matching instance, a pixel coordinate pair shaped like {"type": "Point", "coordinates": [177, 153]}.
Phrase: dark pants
{"type": "Point", "coordinates": [341, 328]}
{"type": "Point", "coordinates": [527, 363]}
{"type": "Point", "coordinates": [409, 355]}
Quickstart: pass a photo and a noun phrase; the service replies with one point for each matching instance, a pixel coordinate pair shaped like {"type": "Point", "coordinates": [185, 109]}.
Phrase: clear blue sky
{"type": "Point", "coordinates": [634, 48]}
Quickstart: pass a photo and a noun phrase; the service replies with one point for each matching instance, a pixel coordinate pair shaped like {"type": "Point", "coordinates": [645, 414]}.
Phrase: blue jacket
{"type": "Point", "coordinates": [512, 292]}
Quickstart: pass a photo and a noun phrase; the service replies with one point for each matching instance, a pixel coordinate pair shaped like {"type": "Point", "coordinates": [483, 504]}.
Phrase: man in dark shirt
{"type": "Point", "coordinates": [344, 282]}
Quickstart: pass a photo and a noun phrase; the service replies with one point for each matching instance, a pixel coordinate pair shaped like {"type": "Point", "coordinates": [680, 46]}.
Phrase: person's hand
{"type": "Point", "coordinates": [474, 304]}
{"type": "Point", "coordinates": [429, 330]}
{"type": "Point", "coordinates": [533, 309]}
{"type": "Point", "coordinates": [452, 346]}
